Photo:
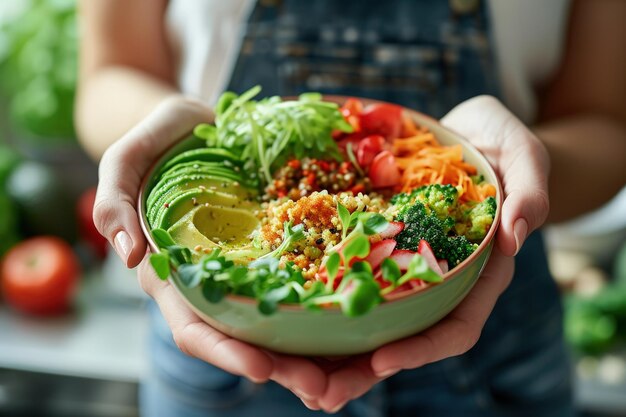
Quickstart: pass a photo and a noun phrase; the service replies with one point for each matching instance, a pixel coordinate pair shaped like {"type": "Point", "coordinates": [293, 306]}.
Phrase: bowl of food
{"type": "Point", "coordinates": [320, 225]}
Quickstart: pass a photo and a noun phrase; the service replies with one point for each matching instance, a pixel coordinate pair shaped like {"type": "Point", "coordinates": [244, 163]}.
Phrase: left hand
{"type": "Point", "coordinates": [522, 163]}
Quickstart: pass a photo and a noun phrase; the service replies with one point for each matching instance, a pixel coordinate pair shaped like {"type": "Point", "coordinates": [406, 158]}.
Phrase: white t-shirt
{"type": "Point", "coordinates": [528, 41]}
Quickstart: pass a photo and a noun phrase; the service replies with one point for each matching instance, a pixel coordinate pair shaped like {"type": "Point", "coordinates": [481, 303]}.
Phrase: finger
{"type": "Point", "coordinates": [300, 375]}
{"type": "Point", "coordinates": [518, 157]}
{"type": "Point", "coordinates": [122, 169]}
{"type": "Point", "coordinates": [455, 334]}
{"type": "Point", "coordinates": [350, 381]}
{"type": "Point", "coordinates": [196, 338]}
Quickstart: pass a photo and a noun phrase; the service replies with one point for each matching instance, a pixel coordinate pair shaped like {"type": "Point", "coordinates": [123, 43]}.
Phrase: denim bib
{"type": "Point", "coordinates": [428, 55]}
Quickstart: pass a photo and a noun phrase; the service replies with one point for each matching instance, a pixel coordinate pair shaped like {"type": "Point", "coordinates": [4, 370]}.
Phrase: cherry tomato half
{"type": "Point", "coordinates": [368, 148]}
{"type": "Point", "coordinates": [39, 276]}
{"type": "Point", "coordinates": [384, 171]}
{"type": "Point", "coordinates": [383, 119]}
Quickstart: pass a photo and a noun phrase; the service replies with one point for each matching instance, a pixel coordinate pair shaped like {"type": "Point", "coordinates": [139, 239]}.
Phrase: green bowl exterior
{"type": "Point", "coordinates": [329, 332]}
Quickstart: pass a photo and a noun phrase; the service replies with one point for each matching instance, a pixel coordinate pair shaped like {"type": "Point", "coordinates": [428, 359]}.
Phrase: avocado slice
{"type": "Point", "coordinates": [166, 187]}
{"type": "Point", "coordinates": [185, 201]}
{"type": "Point", "coordinates": [214, 227]}
{"type": "Point", "coordinates": [201, 154]}
{"type": "Point", "coordinates": [195, 167]}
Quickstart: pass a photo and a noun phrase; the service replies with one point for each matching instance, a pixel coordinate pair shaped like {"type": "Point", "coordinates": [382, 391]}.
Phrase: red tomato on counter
{"type": "Point", "coordinates": [39, 276]}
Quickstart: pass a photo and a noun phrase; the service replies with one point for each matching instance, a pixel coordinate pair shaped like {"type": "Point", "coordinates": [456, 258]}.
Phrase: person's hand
{"type": "Point", "coordinates": [522, 163]}
{"type": "Point", "coordinates": [121, 171]}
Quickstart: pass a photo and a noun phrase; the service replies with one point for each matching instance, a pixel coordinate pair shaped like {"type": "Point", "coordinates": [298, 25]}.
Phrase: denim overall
{"type": "Point", "coordinates": [428, 55]}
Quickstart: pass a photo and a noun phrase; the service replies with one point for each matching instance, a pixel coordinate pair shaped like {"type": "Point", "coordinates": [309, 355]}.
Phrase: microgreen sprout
{"type": "Point", "coordinates": [290, 236]}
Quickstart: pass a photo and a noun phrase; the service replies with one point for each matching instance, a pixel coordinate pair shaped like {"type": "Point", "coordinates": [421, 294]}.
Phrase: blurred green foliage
{"type": "Point", "coordinates": [9, 230]}
{"type": "Point", "coordinates": [38, 65]}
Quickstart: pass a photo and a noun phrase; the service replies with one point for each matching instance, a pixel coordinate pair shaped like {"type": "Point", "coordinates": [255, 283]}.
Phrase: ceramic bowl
{"type": "Point", "coordinates": [296, 330]}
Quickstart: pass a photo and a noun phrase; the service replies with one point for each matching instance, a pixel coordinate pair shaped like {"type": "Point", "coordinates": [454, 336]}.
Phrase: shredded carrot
{"type": "Point", "coordinates": [422, 160]}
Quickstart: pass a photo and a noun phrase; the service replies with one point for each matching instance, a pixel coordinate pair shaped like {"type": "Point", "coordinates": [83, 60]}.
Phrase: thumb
{"type": "Point", "coordinates": [124, 165]}
{"type": "Point", "coordinates": [518, 157]}
{"type": "Point", "coordinates": [523, 211]}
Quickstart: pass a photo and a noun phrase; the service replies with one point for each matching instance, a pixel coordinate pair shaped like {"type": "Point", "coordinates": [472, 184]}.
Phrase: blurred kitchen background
{"type": "Point", "coordinates": [88, 361]}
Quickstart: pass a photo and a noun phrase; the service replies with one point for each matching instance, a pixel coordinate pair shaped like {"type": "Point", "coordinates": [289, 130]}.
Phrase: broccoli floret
{"type": "Point", "coordinates": [433, 213]}
{"type": "Point", "coordinates": [478, 179]}
{"type": "Point", "coordinates": [442, 200]}
{"type": "Point", "coordinates": [418, 224]}
{"type": "Point", "coordinates": [458, 248]}
{"type": "Point", "coordinates": [477, 220]}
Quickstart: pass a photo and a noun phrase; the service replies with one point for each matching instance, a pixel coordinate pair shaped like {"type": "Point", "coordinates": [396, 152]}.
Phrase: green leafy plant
{"type": "Point", "coordinates": [38, 66]}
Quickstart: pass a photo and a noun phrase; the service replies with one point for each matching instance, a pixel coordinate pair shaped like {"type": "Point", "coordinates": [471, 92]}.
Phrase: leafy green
{"type": "Point", "coordinates": [391, 271]}
{"type": "Point", "coordinates": [162, 238]}
{"type": "Point", "coordinates": [418, 269]}
{"type": "Point", "coordinates": [268, 131]}
{"type": "Point", "coordinates": [344, 217]}
{"type": "Point", "coordinates": [161, 264]}
{"type": "Point", "coordinates": [290, 236]}
{"type": "Point", "coordinates": [359, 247]}
{"type": "Point", "coordinates": [332, 264]}
{"type": "Point", "coordinates": [38, 67]}
{"type": "Point", "coordinates": [353, 160]}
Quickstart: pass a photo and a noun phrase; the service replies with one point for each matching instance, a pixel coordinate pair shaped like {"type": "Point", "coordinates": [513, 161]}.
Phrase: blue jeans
{"type": "Point", "coordinates": [519, 367]}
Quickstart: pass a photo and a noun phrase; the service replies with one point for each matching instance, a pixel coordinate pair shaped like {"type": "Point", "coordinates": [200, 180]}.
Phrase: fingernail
{"type": "Point", "coordinates": [303, 395]}
{"type": "Point", "coordinates": [310, 406]}
{"type": "Point", "coordinates": [387, 372]}
{"type": "Point", "coordinates": [338, 407]}
{"type": "Point", "coordinates": [520, 230]}
{"type": "Point", "coordinates": [123, 244]}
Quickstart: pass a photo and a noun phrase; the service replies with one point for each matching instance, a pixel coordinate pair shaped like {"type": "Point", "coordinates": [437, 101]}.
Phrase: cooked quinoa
{"type": "Point", "coordinates": [322, 227]}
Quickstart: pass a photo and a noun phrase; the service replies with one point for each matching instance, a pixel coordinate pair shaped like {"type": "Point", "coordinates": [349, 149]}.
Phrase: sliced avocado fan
{"type": "Point", "coordinates": [201, 155]}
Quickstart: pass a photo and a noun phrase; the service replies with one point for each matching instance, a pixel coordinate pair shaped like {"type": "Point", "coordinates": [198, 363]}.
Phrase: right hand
{"type": "Point", "coordinates": [121, 171]}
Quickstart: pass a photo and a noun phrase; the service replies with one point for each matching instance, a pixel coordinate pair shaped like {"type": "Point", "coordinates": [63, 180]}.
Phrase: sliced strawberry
{"type": "Point", "coordinates": [424, 249]}
{"type": "Point", "coordinates": [392, 230]}
{"type": "Point", "coordinates": [384, 171]}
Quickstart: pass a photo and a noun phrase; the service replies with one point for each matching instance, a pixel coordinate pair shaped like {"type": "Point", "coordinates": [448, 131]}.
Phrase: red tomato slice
{"type": "Point", "coordinates": [39, 276]}
{"type": "Point", "coordinates": [368, 148]}
{"type": "Point", "coordinates": [384, 172]}
{"type": "Point", "coordinates": [382, 118]}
